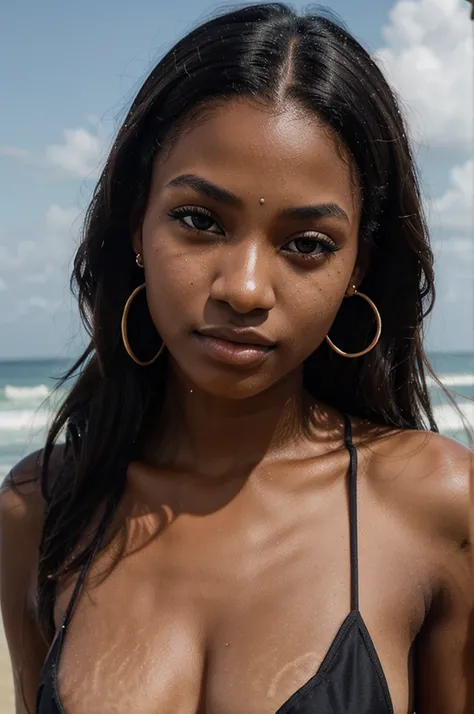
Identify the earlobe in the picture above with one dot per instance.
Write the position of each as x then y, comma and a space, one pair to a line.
356, 277
137, 243
353, 285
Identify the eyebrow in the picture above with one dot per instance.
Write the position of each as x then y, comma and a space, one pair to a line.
222, 195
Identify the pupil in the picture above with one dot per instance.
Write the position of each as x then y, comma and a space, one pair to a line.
305, 245
202, 222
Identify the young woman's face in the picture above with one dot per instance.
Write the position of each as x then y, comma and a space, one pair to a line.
249, 242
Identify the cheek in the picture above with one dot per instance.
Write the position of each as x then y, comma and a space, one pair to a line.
175, 281
311, 305
311, 321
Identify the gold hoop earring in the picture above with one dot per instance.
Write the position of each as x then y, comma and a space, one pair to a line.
125, 339
352, 355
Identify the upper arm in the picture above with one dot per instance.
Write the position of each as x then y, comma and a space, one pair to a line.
21, 519
445, 646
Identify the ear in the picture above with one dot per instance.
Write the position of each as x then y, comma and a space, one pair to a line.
356, 277
137, 243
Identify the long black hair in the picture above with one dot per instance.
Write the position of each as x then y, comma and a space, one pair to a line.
268, 54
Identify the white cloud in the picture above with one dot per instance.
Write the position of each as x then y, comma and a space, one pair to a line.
455, 209
62, 226
37, 312
452, 320
79, 155
52, 241
37, 269
428, 58
59, 218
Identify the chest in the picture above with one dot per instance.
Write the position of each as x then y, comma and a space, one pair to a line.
218, 616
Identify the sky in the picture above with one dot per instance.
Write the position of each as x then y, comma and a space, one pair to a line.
68, 73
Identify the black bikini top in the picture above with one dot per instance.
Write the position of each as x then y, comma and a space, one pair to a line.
350, 679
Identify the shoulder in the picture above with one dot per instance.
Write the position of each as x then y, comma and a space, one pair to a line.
21, 490
427, 477
22, 513
20, 493
21, 526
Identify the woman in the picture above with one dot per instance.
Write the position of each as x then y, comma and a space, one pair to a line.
253, 511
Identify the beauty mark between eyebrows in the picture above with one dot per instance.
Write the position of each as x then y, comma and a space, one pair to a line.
222, 195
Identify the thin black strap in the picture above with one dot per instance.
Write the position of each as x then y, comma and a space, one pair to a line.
80, 583
82, 576
348, 443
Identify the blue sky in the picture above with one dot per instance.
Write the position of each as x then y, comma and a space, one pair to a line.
68, 72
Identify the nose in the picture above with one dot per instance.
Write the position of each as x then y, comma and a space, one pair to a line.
243, 279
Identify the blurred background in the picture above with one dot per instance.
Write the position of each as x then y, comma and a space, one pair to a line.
68, 72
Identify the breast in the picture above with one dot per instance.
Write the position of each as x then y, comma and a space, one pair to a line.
209, 619
130, 656
236, 627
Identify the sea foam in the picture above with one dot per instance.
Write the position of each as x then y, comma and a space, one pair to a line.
24, 420
40, 391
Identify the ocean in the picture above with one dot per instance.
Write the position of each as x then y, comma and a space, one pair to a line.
27, 401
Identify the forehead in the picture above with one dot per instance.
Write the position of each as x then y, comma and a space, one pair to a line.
288, 154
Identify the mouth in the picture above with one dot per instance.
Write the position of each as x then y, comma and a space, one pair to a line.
240, 347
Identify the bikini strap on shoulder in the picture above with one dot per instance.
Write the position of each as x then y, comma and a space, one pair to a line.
353, 523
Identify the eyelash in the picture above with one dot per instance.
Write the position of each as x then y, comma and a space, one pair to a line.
328, 246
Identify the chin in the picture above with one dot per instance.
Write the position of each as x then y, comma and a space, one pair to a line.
224, 383
227, 381
238, 388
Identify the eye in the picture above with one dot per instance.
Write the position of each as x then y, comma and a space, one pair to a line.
311, 246
195, 218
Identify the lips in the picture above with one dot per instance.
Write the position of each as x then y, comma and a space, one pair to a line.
239, 347
244, 336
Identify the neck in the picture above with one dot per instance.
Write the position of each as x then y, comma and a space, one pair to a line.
215, 436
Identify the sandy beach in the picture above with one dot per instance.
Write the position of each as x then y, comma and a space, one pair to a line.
7, 702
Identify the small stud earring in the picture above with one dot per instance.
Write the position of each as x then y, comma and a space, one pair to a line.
262, 201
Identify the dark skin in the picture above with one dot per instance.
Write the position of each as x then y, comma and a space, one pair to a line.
232, 572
